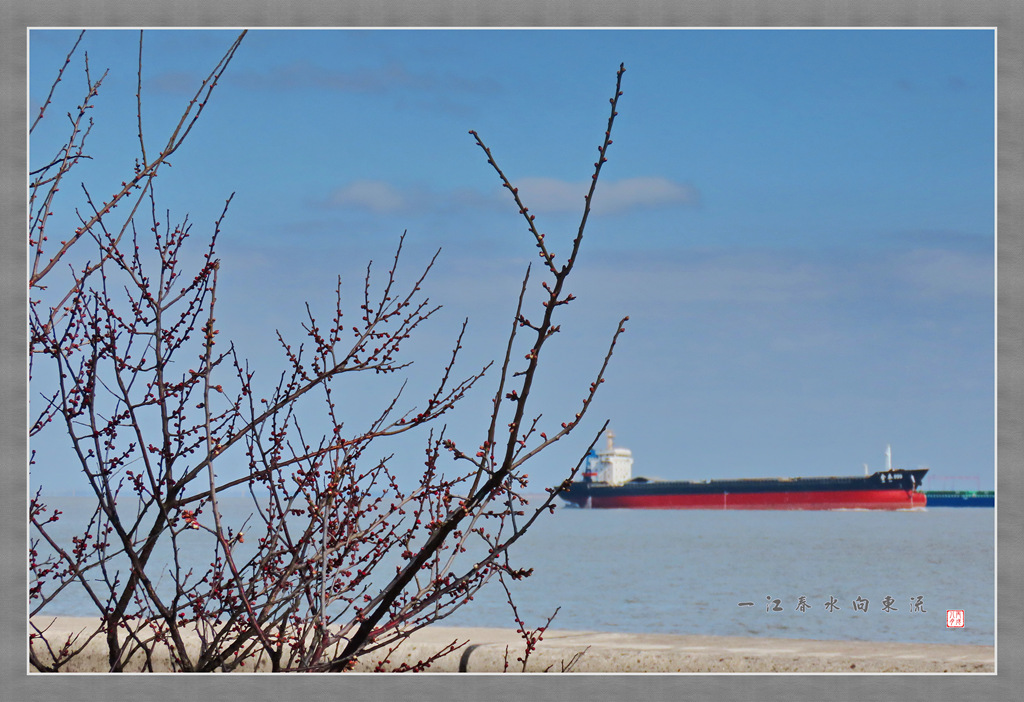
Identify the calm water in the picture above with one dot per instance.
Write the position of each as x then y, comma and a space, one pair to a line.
686, 571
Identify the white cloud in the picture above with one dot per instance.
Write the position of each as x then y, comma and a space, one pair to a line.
941, 273
734, 278
374, 195
541, 195
611, 196
632, 193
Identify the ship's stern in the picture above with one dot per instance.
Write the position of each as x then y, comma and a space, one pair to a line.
577, 494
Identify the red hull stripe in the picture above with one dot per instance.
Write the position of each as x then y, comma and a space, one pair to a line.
852, 499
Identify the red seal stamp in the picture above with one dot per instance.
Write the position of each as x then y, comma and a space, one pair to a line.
955, 618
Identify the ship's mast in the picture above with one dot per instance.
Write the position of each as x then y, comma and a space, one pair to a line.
611, 435
888, 457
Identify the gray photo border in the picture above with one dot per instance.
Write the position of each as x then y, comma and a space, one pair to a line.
1006, 15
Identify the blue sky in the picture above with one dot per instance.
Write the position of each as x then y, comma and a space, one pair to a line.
800, 223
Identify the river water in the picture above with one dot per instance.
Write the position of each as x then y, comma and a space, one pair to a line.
862, 575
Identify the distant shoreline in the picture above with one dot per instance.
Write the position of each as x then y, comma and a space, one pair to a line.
486, 650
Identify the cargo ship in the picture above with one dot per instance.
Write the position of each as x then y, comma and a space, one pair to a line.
961, 498
608, 483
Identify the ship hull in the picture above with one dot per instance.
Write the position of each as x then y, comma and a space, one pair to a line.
886, 490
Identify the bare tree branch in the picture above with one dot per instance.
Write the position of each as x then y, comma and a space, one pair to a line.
339, 558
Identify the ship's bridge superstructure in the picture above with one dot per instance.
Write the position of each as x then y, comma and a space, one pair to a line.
613, 466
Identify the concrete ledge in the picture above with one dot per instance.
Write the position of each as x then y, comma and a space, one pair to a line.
488, 650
